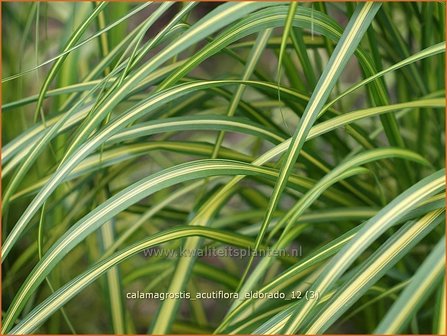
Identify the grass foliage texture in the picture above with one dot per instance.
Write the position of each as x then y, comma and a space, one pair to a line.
260, 126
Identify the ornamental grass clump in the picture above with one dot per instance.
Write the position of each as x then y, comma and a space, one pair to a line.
228, 168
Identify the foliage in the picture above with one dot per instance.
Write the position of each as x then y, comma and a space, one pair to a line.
266, 126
